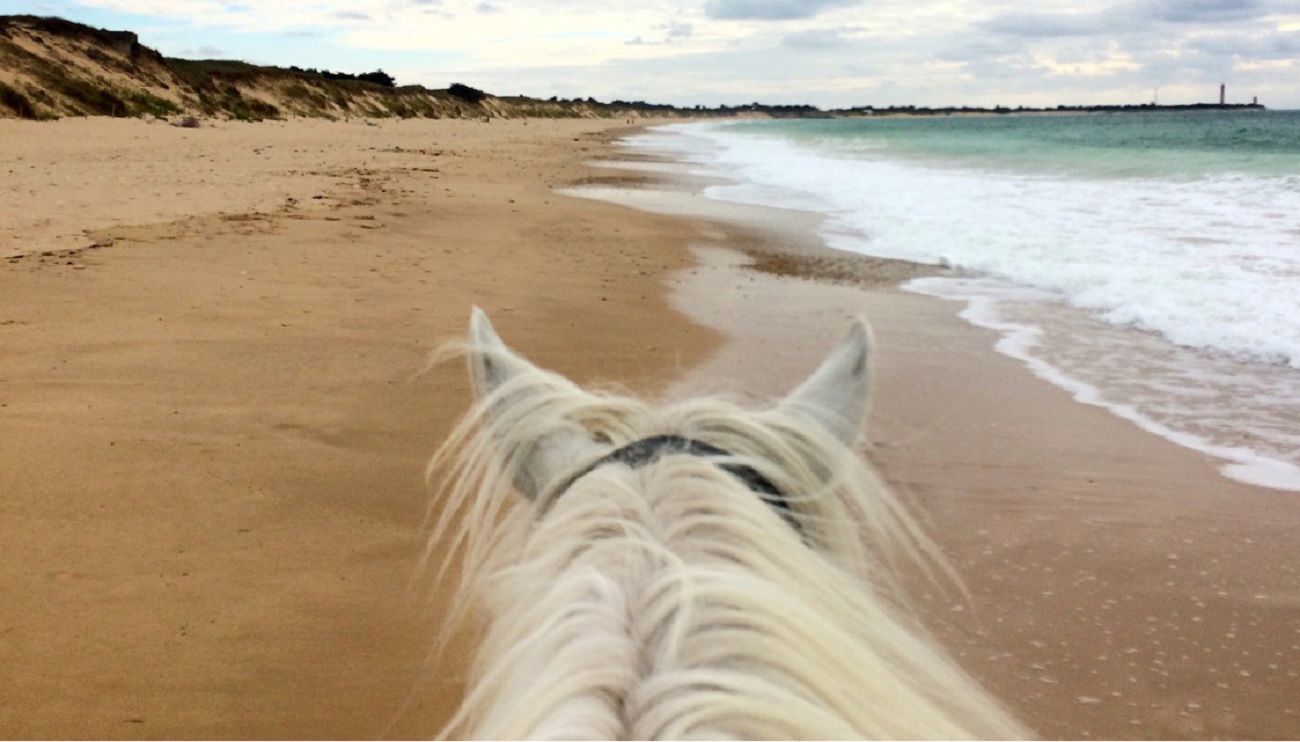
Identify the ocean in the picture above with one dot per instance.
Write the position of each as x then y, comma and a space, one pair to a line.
1147, 262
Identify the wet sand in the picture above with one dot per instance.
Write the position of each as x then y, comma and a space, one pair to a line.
213, 434
1120, 586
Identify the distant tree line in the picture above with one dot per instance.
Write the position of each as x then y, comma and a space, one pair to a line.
775, 111
378, 77
1000, 110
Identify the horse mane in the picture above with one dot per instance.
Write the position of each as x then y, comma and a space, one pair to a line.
671, 601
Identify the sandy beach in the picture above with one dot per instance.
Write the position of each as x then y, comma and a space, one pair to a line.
213, 433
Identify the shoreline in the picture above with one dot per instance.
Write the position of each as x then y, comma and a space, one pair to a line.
1157, 339
1113, 574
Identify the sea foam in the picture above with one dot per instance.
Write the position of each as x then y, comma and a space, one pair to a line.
1189, 281
1210, 263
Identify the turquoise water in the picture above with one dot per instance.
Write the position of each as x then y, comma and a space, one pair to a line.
1155, 144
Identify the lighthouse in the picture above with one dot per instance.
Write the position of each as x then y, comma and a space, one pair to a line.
1222, 88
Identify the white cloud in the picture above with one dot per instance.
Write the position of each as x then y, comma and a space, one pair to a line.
815, 39
771, 10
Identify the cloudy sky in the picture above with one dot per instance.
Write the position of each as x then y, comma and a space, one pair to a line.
830, 53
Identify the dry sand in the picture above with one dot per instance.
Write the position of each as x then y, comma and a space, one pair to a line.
212, 435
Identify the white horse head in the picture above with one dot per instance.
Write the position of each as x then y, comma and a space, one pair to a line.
692, 570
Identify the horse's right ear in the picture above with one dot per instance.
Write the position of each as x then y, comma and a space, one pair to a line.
535, 451
836, 395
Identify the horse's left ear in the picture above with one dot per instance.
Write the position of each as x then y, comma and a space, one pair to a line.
536, 455
491, 363
835, 396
